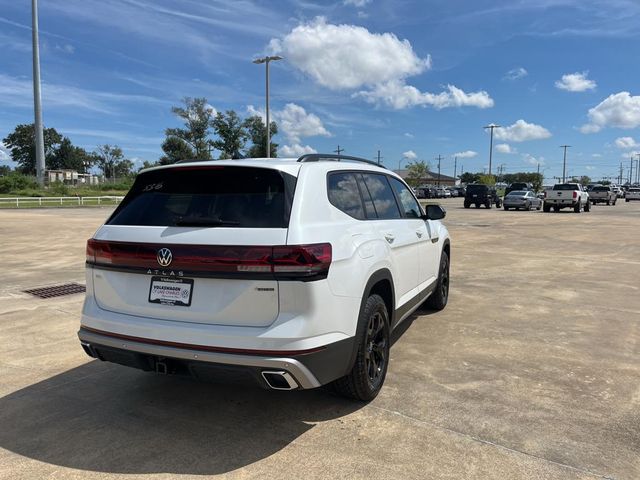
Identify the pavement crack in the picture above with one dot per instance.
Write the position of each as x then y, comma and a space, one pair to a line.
493, 444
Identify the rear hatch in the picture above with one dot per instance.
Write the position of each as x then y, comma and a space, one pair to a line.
195, 244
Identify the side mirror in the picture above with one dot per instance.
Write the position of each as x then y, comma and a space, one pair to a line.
435, 212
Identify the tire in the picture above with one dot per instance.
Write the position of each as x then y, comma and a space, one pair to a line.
546, 208
614, 202
608, 202
626, 200
439, 298
506, 209
467, 204
528, 207
587, 207
366, 378
539, 206
488, 204
556, 208
477, 205
578, 207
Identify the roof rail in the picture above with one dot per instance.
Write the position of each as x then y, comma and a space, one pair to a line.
330, 157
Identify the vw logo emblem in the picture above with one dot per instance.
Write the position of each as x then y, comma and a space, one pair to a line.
164, 257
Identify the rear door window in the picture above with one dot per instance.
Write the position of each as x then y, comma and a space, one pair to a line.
208, 196
384, 201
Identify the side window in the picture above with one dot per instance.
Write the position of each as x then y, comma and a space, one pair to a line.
344, 194
384, 201
409, 205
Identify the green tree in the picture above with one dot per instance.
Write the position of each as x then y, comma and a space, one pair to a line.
4, 170
258, 134
487, 180
110, 159
68, 156
232, 134
148, 164
22, 145
176, 149
468, 177
417, 172
197, 117
585, 180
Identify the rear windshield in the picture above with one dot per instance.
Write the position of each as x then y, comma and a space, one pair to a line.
477, 188
518, 186
211, 196
517, 193
566, 186
600, 189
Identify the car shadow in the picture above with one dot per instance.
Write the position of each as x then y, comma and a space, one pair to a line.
106, 418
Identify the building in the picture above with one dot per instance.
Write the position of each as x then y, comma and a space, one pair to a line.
431, 178
70, 177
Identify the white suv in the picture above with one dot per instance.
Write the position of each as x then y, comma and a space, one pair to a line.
289, 273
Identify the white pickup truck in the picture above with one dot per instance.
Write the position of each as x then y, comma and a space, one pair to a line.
602, 194
566, 195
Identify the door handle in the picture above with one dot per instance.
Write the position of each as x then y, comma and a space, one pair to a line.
389, 238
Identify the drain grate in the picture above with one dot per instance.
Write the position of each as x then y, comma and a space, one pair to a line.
56, 290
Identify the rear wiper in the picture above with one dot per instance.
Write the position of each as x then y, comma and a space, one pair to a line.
204, 222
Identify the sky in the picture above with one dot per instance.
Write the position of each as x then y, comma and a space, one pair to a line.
411, 79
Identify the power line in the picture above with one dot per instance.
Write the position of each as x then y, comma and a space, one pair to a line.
339, 150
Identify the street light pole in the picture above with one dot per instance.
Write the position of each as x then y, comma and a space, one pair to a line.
266, 61
564, 162
491, 127
37, 101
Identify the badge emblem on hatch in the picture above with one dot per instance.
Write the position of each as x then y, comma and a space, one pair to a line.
164, 257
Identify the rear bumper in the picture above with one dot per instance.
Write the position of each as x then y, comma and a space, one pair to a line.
307, 369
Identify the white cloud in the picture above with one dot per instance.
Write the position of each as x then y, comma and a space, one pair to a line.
347, 56
626, 143
596, 155
295, 150
5, 155
505, 148
516, 73
466, 154
576, 82
632, 154
521, 131
409, 155
531, 160
620, 110
398, 95
66, 48
357, 3
350, 57
294, 122
408, 135
590, 168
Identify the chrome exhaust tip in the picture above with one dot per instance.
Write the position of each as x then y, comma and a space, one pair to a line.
279, 380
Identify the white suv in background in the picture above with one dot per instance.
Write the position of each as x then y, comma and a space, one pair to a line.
288, 273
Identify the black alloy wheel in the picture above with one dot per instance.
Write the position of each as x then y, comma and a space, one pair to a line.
376, 351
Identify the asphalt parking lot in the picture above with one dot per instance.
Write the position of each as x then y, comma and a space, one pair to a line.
532, 371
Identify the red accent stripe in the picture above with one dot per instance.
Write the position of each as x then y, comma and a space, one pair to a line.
204, 348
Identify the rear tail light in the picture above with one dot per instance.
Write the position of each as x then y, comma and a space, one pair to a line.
544, 194
575, 194
215, 260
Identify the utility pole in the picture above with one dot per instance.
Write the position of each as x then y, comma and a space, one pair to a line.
620, 177
455, 167
491, 127
439, 157
37, 100
339, 150
379, 158
631, 171
638, 168
564, 162
266, 61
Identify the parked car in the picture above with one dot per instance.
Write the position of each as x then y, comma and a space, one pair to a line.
287, 274
603, 194
478, 194
566, 195
518, 186
633, 193
522, 199
426, 192
619, 192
